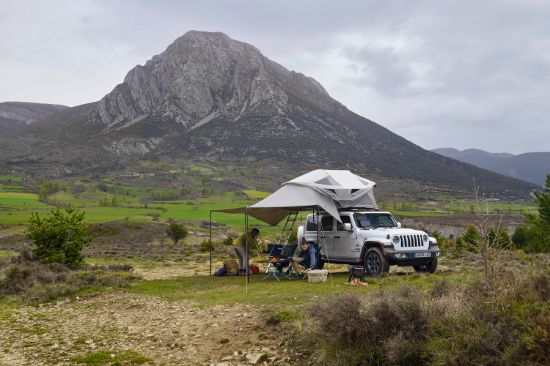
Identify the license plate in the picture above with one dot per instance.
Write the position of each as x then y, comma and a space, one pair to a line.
421, 255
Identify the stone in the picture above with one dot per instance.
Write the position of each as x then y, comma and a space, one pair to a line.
256, 358
224, 340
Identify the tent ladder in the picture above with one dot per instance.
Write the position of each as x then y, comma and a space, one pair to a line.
289, 225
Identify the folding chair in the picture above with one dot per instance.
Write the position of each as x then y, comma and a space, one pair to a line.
280, 256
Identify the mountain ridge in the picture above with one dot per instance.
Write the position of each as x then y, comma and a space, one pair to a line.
210, 98
532, 167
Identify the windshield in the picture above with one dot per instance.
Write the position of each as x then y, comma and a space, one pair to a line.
374, 220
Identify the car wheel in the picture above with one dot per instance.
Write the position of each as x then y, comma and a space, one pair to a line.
431, 266
375, 263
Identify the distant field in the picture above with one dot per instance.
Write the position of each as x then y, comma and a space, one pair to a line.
10, 177
104, 202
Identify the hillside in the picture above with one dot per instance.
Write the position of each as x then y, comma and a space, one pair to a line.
208, 98
532, 167
14, 116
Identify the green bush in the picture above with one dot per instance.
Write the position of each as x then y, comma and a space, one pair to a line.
176, 231
59, 237
228, 241
206, 246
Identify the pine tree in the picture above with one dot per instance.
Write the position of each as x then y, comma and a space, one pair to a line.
542, 199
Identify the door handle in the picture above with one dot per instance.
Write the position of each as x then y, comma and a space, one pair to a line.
337, 237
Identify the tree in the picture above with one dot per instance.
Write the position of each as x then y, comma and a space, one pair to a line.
542, 199
176, 231
59, 237
535, 235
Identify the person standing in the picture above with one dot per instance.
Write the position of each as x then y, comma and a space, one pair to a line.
240, 248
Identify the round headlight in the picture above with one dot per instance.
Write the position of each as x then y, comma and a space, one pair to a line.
425, 237
395, 239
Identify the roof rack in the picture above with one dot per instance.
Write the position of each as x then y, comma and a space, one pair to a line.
357, 209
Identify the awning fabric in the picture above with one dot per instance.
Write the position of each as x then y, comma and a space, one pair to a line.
325, 189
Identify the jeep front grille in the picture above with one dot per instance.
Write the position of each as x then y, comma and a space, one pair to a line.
411, 241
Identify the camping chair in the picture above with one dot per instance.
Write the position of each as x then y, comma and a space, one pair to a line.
280, 256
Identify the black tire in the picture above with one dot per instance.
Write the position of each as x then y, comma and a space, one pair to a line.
375, 263
432, 265
419, 269
320, 264
429, 267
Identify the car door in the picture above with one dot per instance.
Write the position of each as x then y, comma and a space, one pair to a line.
343, 242
325, 235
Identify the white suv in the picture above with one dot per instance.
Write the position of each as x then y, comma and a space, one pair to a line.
372, 239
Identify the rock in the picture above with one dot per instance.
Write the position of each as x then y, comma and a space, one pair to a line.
89, 341
224, 340
227, 358
223, 364
256, 358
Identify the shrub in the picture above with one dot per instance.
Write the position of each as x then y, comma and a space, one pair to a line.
453, 324
228, 241
389, 327
176, 231
59, 237
206, 246
38, 282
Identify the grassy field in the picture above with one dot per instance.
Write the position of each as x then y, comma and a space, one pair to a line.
210, 291
105, 201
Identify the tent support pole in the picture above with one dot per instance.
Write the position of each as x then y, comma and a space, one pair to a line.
210, 241
247, 268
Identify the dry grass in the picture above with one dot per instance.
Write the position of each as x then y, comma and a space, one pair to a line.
506, 321
35, 282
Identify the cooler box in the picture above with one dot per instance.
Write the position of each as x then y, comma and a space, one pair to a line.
317, 276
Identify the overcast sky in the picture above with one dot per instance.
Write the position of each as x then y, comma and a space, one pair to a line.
440, 73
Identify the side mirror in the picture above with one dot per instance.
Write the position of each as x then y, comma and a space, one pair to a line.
347, 227
398, 224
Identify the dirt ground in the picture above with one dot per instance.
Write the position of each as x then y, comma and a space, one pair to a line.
165, 332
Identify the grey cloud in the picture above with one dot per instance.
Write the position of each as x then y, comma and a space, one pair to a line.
441, 73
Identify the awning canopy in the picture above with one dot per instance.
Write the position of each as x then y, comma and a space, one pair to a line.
324, 189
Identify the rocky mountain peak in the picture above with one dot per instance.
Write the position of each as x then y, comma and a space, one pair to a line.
207, 75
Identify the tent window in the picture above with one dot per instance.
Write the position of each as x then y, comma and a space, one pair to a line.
311, 224
326, 223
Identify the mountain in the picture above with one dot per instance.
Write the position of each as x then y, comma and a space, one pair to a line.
209, 98
532, 167
14, 116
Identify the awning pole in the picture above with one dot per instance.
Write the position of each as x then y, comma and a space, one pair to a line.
210, 241
247, 268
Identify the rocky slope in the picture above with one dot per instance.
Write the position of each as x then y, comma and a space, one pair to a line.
14, 116
208, 97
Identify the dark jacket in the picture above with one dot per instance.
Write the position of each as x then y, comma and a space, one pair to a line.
310, 257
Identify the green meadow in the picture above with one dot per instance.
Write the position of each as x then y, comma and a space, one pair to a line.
106, 201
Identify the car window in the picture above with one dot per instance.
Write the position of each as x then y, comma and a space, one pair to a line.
326, 223
311, 224
340, 225
374, 220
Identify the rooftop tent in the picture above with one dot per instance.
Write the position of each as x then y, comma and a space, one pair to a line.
344, 187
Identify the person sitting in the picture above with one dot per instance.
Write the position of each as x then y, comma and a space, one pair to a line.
240, 248
306, 259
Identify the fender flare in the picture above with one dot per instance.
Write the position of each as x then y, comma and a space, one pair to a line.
370, 244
